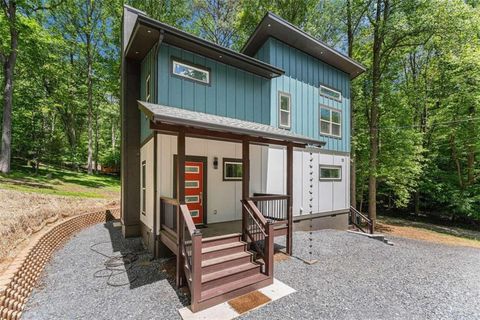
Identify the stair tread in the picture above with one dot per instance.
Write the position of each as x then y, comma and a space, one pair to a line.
223, 246
225, 236
209, 262
229, 271
231, 286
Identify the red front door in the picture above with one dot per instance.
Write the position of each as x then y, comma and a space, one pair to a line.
194, 189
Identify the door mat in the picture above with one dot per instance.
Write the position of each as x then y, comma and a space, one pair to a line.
248, 301
280, 256
238, 306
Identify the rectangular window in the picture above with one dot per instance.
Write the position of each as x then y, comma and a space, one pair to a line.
330, 93
192, 169
232, 169
330, 173
147, 89
188, 71
330, 122
194, 213
192, 199
144, 186
191, 184
284, 110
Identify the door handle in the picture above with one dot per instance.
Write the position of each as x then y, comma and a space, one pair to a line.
201, 197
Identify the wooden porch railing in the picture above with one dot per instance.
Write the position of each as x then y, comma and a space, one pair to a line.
361, 221
190, 254
259, 234
179, 234
273, 207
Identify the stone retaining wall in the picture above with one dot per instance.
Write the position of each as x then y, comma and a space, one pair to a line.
18, 281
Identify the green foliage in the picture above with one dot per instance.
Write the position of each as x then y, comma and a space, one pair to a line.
428, 123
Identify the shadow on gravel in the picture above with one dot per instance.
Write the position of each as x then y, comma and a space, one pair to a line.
132, 265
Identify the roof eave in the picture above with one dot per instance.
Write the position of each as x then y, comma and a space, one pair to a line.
221, 55
271, 17
216, 127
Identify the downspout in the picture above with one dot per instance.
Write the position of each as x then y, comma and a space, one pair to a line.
155, 150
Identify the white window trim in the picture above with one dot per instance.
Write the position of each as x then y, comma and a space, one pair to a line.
191, 67
330, 122
280, 95
339, 168
225, 178
328, 96
147, 89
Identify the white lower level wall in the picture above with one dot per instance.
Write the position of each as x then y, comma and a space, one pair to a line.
327, 195
267, 175
146, 154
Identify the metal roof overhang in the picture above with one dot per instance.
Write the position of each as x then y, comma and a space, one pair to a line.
276, 27
223, 126
146, 33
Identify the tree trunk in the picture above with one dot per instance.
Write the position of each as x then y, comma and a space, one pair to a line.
90, 105
471, 149
8, 74
96, 141
374, 114
353, 175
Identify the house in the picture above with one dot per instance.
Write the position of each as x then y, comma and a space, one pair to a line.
223, 151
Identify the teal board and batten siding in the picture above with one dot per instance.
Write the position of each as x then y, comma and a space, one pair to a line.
232, 92
147, 68
302, 78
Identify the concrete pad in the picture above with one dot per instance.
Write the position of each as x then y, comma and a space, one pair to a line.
221, 311
224, 311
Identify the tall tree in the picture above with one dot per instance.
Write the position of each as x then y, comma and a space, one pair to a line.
216, 20
8, 59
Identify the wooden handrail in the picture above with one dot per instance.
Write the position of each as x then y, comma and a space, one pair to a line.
255, 218
265, 232
258, 214
172, 201
190, 252
187, 218
353, 213
266, 197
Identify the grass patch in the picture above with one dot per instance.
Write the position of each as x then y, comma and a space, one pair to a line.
429, 232
61, 182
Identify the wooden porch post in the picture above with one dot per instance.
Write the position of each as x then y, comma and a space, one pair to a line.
245, 181
290, 198
181, 200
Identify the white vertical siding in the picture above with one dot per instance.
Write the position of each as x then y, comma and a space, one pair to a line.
267, 175
223, 197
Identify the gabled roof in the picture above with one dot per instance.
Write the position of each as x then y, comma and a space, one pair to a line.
146, 32
176, 116
276, 27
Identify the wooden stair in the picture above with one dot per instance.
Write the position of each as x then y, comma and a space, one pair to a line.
228, 271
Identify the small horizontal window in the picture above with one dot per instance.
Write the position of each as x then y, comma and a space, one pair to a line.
232, 169
192, 199
284, 110
192, 169
191, 184
330, 172
194, 73
195, 213
330, 122
330, 93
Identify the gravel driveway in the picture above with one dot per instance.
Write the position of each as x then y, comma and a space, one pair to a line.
355, 278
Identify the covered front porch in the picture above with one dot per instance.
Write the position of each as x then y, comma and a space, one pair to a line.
219, 261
